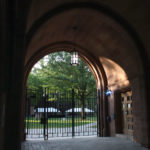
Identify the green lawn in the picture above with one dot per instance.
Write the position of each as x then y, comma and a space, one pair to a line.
58, 122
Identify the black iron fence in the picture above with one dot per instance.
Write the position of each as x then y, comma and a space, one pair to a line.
52, 113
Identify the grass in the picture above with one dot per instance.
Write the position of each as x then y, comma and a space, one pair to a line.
95, 126
58, 122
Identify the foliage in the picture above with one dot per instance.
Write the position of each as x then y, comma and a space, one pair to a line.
54, 71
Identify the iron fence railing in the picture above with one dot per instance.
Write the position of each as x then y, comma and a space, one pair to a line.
51, 113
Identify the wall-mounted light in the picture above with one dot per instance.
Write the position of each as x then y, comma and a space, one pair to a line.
74, 58
108, 92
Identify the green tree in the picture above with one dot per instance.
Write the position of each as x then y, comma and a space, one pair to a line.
54, 71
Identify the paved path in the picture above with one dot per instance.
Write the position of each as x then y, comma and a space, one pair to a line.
83, 130
86, 143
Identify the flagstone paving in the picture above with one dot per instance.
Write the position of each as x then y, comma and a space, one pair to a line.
86, 143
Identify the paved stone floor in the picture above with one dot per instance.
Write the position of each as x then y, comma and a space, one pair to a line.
83, 130
86, 143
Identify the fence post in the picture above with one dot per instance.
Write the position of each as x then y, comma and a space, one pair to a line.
28, 109
45, 116
99, 131
72, 112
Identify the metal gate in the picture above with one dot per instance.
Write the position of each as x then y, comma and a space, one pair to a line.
52, 113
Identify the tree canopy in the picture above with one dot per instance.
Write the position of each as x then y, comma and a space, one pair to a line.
55, 71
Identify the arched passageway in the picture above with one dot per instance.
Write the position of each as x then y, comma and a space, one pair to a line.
97, 35
115, 79
67, 100
115, 30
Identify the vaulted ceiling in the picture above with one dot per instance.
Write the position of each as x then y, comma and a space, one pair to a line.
94, 28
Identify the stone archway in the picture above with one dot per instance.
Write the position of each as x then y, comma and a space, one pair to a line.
101, 36
121, 116
94, 66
